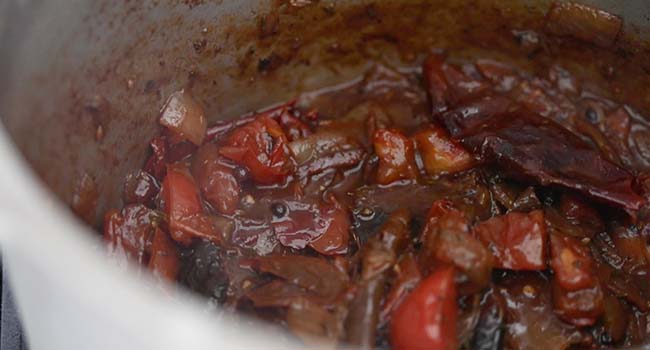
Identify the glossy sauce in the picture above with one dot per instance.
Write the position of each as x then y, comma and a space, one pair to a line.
515, 201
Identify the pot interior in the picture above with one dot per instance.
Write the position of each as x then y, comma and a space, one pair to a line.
84, 80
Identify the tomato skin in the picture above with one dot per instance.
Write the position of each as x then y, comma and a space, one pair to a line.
427, 318
261, 146
441, 154
396, 156
517, 240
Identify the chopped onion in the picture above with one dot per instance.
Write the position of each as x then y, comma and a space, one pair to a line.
184, 116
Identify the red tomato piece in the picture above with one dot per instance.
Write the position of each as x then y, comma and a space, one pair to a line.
184, 210
396, 156
216, 179
427, 318
334, 240
261, 146
517, 240
129, 231
164, 261
440, 153
571, 262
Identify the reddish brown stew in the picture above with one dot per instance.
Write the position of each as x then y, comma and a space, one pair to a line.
465, 204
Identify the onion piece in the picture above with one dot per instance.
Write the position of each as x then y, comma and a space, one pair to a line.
316, 275
314, 324
325, 150
584, 23
530, 322
184, 116
468, 320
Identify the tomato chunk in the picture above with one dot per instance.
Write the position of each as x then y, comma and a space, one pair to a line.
164, 261
216, 179
517, 240
440, 153
396, 156
571, 262
261, 146
184, 210
427, 318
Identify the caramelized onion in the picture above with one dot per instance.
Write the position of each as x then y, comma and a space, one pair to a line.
584, 23
184, 116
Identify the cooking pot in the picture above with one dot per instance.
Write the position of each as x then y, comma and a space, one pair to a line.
81, 83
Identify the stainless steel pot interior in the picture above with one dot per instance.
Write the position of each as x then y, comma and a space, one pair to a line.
81, 82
